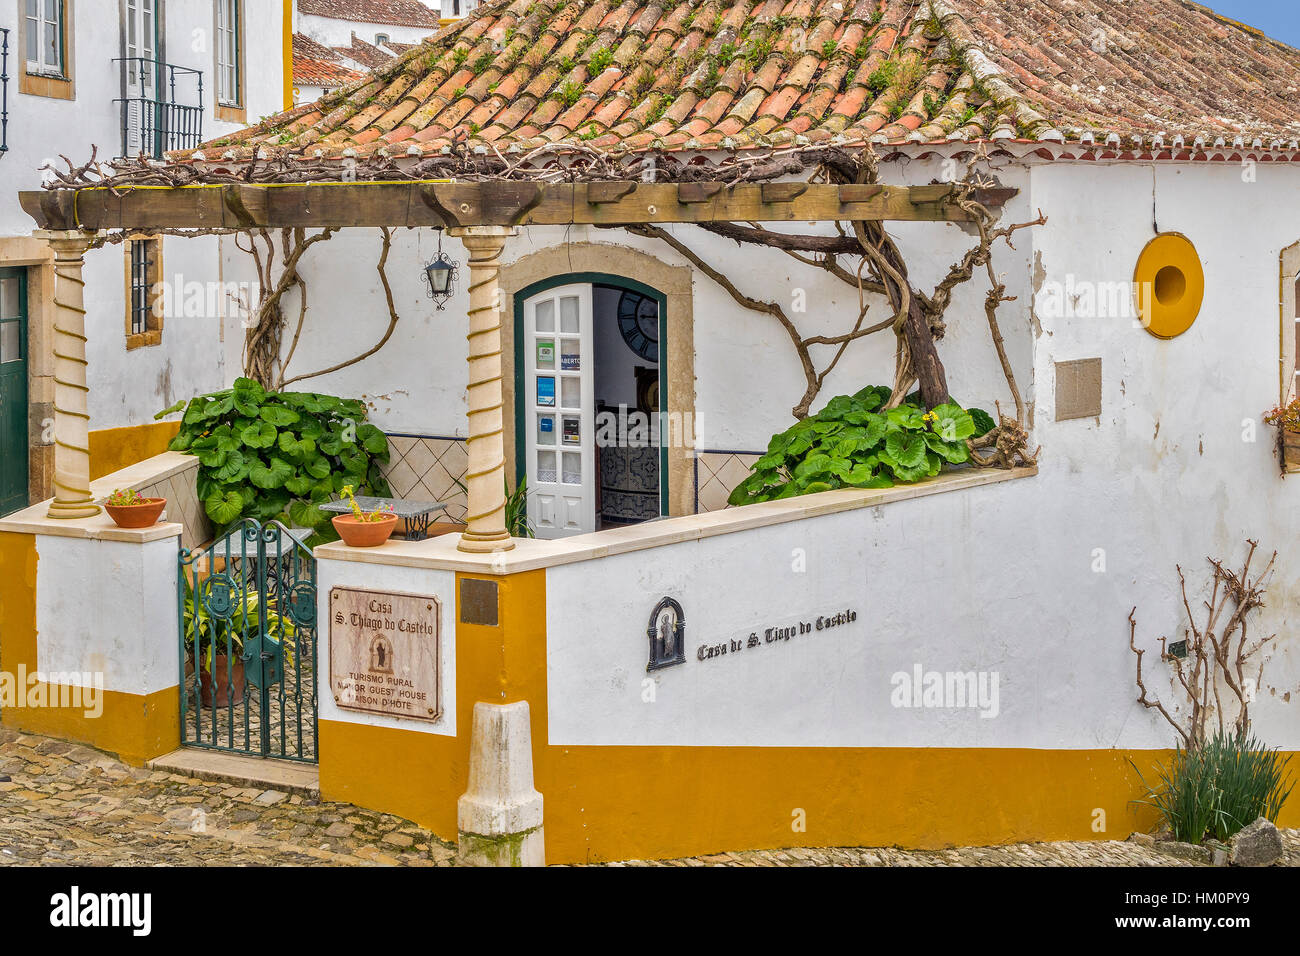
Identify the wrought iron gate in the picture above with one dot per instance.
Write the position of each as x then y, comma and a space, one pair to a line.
247, 612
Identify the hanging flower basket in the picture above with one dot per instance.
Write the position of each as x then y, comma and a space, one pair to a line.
1290, 445
1286, 418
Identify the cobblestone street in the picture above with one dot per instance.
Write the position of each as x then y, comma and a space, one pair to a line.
64, 804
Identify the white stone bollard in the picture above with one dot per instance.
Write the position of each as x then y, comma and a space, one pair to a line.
500, 816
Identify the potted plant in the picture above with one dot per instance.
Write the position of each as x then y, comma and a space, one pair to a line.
129, 509
217, 644
1287, 419
364, 529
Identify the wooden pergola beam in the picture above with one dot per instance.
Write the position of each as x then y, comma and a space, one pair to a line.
373, 204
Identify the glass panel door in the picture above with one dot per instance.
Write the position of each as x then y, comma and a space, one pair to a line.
560, 416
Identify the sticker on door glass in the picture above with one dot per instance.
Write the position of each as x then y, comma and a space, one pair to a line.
546, 430
546, 391
546, 353
573, 431
570, 357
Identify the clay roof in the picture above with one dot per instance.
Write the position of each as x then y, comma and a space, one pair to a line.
401, 13
315, 64
731, 74
367, 54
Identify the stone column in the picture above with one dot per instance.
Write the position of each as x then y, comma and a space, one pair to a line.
485, 479
499, 818
71, 419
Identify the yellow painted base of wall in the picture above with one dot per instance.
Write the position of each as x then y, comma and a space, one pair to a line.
623, 803
112, 449
414, 775
136, 728
620, 803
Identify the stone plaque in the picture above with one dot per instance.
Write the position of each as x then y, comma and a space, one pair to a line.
385, 653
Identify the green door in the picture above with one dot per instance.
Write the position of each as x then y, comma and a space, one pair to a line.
13, 390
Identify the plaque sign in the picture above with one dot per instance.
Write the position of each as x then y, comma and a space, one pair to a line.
385, 653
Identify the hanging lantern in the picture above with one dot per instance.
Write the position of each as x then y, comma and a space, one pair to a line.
440, 276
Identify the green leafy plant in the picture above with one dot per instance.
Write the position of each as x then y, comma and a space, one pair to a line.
379, 514
854, 442
279, 455
1212, 791
207, 636
570, 92
601, 60
517, 522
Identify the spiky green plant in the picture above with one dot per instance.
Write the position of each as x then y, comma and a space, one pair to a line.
1214, 790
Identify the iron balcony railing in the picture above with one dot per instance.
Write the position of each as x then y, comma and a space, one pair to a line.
4, 90
153, 121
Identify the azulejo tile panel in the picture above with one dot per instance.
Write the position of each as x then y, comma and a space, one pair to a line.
717, 473
427, 468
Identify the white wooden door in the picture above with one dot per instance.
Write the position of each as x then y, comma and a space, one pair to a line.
558, 404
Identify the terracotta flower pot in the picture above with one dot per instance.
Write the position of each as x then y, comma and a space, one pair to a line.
226, 684
364, 534
141, 515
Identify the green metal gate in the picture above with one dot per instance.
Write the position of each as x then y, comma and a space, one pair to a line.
247, 612
13, 390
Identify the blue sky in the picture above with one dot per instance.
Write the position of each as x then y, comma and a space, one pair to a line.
1280, 19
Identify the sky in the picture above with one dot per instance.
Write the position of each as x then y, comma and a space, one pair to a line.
1280, 19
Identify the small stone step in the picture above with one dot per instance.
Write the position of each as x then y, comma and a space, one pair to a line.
283, 776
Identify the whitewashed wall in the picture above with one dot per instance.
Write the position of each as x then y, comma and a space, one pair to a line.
127, 388
334, 31
119, 622
1032, 579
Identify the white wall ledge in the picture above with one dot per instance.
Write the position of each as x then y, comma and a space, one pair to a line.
529, 555
35, 518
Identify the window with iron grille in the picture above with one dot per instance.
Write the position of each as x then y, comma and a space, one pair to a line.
144, 319
229, 29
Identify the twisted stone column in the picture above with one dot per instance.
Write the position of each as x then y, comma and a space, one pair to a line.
485, 480
71, 419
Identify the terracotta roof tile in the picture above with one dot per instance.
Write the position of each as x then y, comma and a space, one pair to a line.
673, 74
315, 64
367, 54
398, 13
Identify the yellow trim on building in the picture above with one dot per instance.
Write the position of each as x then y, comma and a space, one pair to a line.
500, 664
614, 803
287, 54
135, 727
112, 449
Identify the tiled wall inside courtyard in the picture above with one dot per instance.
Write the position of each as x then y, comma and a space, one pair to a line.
426, 468
717, 473
183, 505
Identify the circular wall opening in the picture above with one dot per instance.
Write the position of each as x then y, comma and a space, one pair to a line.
1170, 285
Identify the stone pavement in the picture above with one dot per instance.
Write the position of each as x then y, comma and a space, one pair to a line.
65, 804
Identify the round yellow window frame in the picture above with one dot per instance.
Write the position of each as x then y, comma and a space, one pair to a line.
1168, 285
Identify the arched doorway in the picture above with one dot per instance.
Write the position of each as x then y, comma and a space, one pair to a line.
591, 358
